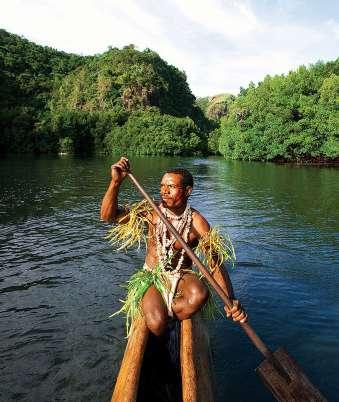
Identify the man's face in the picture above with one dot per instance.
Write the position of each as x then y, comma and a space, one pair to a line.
172, 191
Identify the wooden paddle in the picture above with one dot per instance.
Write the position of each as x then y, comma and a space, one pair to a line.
279, 371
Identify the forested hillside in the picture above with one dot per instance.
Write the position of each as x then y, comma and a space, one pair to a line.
215, 108
52, 101
127, 101
133, 102
28, 73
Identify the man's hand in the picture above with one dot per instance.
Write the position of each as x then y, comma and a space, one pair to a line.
237, 312
120, 169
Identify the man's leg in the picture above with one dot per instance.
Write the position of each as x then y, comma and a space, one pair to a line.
191, 296
155, 311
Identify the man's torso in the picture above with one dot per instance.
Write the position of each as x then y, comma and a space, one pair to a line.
152, 258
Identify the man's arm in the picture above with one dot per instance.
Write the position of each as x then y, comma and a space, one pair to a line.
221, 276
237, 311
109, 206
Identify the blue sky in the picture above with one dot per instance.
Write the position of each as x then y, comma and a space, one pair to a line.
221, 45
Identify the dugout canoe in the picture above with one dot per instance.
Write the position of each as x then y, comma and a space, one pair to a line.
142, 354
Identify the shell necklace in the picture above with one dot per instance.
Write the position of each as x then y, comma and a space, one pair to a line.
165, 240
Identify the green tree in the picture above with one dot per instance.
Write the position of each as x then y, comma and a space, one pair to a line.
293, 117
27, 74
148, 132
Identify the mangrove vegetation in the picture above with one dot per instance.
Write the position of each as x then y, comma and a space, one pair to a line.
292, 117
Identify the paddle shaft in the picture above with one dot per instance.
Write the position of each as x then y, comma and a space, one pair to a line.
246, 326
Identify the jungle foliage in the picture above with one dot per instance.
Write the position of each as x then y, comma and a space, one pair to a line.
148, 132
52, 101
28, 73
133, 102
293, 117
214, 108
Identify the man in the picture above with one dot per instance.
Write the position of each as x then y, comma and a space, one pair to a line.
185, 293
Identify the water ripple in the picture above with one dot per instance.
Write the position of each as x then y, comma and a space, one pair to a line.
60, 280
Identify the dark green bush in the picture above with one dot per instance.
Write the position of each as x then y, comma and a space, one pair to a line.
148, 132
285, 117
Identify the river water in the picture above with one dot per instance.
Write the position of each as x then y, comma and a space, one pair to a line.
60, 279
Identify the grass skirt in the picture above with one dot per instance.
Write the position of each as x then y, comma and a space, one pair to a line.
140, 282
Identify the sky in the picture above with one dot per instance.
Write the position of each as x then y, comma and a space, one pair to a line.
221, 45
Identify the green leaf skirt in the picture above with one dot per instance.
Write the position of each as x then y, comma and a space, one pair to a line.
141, 281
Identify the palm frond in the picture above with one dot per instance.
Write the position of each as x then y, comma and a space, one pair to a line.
215, 249
127, 234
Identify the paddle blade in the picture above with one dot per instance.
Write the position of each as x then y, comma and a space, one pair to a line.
298, 389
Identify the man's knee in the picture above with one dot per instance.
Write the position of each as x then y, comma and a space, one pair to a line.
198, 295
156, 322
155, 311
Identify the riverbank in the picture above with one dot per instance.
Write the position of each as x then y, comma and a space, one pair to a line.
310, 161
306, 161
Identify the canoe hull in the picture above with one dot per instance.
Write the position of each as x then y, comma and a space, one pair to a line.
126, 387
195, 363
195, 356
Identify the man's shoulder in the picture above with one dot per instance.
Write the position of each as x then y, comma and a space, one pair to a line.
197, 214
199, 221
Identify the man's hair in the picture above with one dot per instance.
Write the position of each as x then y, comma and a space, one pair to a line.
187, 178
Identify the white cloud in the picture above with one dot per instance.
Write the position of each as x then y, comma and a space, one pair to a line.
135, 16
334, 27
221, 44
232, 19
